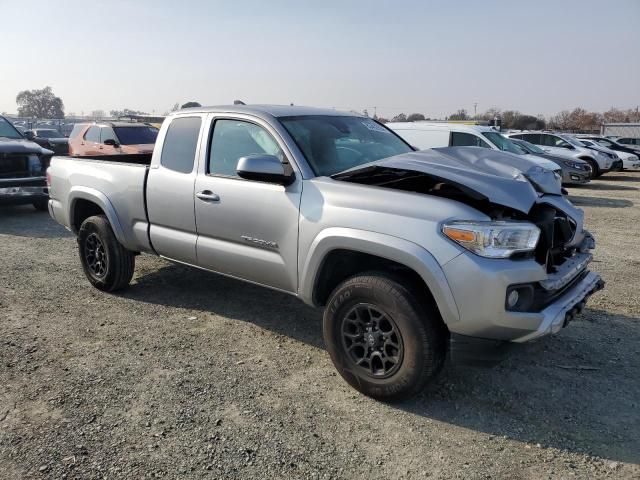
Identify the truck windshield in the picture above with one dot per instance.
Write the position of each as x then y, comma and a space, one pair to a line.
332, 144
136, 135
7, 130
504, 144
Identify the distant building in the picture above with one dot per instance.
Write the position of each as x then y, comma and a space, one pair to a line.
621, 129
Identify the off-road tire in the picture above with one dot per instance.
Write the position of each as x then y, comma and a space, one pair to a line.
424, 336
119, 262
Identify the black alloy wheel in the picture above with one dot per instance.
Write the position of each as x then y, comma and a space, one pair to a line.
372, 341
95, 256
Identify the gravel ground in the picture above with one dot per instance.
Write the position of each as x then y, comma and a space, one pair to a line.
191, 375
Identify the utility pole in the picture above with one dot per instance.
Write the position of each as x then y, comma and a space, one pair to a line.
475, 109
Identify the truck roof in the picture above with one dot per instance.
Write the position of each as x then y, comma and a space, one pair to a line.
268, 110
444, 126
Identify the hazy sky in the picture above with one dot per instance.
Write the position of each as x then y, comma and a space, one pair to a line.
432, 57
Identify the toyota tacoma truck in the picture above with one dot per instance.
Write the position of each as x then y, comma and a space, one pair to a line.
403, 249
22, 169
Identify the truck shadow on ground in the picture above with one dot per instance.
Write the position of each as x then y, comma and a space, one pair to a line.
600, 202
534, 396
25, 221
186, 287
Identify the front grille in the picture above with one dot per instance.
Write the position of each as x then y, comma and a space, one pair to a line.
14, 166
556, 230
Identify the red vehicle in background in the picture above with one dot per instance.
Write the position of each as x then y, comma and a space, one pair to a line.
112, 138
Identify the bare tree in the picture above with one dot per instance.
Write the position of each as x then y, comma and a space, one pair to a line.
459, 115
399, 118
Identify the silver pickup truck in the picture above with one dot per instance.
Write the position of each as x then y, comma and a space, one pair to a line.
403, 249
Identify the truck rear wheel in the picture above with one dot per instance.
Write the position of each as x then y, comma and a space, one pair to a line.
106, 263
382, 339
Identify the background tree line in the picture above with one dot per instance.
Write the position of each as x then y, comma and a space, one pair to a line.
578, 119
43, 103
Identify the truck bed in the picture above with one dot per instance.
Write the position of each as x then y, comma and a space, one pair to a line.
119, 185
136, 158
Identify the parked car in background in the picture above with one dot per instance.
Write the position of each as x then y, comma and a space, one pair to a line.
574, 171
624, 160
112, 138
425, 135
629, 142
49, 138
337, 210
612, 144
567, 147
23, 164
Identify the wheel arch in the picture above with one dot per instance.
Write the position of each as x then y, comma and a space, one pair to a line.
85, 202
338, 253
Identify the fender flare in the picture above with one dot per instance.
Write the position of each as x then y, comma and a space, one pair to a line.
402, 251
91, 194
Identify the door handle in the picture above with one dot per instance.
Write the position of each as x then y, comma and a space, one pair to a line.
208, 196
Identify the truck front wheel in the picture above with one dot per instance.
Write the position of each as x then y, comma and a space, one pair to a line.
106, 263
383, 339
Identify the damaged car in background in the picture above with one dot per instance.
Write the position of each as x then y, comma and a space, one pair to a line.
22, 169
403, 250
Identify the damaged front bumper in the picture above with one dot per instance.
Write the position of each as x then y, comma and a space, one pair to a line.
565, 308
481, 289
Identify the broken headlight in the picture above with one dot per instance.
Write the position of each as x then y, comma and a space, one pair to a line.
499, 239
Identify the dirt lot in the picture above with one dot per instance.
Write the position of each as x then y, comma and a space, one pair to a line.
188, 374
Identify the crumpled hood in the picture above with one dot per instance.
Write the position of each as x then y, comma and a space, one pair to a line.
534, 169
489, 174
17, 145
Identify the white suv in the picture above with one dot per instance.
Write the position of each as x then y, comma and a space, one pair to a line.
568, 147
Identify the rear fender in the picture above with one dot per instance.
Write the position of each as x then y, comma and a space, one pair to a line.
100, 199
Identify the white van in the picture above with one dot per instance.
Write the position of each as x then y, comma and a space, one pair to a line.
424, 135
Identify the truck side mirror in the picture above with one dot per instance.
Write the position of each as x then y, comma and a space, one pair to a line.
29, 135
264, 168
112, 142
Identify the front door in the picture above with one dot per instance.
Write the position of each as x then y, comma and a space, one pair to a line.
246, 229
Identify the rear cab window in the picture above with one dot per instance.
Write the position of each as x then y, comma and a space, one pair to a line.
180, 144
